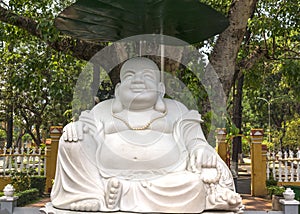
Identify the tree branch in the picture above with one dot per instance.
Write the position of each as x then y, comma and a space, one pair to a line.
78, 48
20, 21
250, 61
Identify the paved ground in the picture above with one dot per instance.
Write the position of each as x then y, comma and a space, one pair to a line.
256, 203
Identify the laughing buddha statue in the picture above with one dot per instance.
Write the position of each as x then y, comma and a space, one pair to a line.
140, 152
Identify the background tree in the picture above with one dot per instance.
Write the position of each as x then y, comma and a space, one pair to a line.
37, 81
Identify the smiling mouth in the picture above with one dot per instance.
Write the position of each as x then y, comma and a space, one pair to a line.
138, 87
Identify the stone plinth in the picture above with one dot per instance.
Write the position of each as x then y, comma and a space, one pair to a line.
49, 209
8, 204
289, 206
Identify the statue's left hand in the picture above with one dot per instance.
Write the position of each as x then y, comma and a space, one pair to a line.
202, 157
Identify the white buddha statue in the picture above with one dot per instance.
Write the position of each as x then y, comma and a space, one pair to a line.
140, 152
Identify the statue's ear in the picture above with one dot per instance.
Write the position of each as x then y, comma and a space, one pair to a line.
160, 104
117, 105
161, 89
117, 90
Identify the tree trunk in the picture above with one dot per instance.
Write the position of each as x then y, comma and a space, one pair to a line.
19, 140
32, 136
9, 129
223, 57
38, 138
237, 120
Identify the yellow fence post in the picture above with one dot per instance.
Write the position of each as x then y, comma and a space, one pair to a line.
221, 143
258, 164
52, 148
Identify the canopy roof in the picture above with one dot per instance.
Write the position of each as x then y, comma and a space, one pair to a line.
112, 20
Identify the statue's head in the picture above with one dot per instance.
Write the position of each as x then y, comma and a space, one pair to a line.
140, 86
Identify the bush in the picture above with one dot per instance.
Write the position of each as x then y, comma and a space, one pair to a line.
25, 180
271, 182
38, 182
275, 190
27, 197
20, 180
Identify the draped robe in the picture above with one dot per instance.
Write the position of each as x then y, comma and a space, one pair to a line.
151, 165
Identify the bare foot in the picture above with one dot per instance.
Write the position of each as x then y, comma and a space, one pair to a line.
113, 193
86, 205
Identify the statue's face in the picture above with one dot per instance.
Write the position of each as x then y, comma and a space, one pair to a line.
139, 86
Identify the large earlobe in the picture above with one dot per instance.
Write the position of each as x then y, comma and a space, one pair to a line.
160, 104
117, 105
161, 89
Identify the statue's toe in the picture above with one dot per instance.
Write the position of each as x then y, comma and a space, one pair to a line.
113, 193
86, 205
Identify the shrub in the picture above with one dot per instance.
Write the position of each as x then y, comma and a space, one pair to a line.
20, 180
25, 180
271, 182
39, 182
27, 196
275, 190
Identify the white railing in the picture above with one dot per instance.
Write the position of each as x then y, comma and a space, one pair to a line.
283, 167
15, 159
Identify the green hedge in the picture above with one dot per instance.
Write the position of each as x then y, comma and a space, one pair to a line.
26, 179
38, 182
27, 197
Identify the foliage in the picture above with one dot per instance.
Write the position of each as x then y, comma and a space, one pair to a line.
26, 179
270, 145
106, 91
269, 81
27, 196
275, 190
38, 182
271, 182
37, 81
274, 30
20, 180
186, 86
2, 135
245, 146
291, 139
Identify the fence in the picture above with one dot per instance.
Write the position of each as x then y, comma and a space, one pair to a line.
283, 167
20, 159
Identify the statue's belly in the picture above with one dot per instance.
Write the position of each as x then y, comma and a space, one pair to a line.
139, 151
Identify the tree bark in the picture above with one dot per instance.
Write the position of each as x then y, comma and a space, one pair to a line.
9, 128
237, 120
223, 57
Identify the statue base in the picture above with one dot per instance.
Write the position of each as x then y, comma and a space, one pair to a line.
49, 209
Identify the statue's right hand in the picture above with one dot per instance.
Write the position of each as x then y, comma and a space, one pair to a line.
73, 132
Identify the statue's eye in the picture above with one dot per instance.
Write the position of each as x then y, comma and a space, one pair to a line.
128, 75
149, 75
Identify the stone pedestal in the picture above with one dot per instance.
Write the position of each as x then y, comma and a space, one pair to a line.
289, 206
49, 209
8, 204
